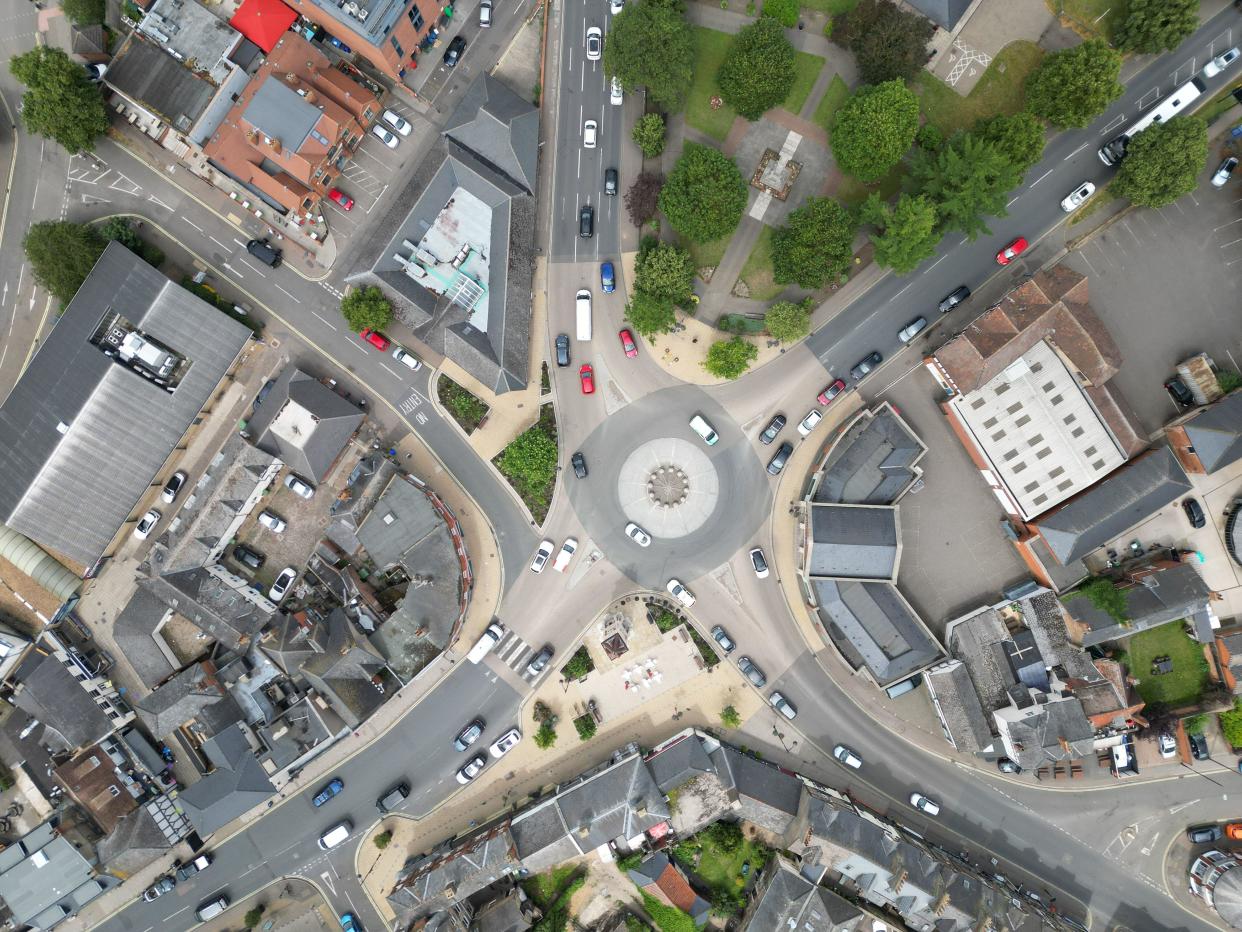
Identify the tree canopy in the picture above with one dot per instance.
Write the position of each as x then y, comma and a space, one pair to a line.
1073, 86
784, 12
642, 199
83, 12
888, 43
60, 102
758, 70
815, 245
366, 308
650, 45
968, 179
874, 128
1163, 162
62, 254
664, 270
648, 134
704, 195
907, 231
122, 231
788, 322
1154, 26
728, 359
1020, 138
649, 315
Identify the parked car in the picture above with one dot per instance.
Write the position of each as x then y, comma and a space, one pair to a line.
161, 886
586, 221
1203, 834
1220, 62
146, 524
924, 804
299, 486
190, 868
628, 346
607, 279
568, 549
539, 661
1012, 251
1005, 765
562, 349
590, 134
1077, 197
385, 136
1179, 392
610, 182
721, 637
783, 705
954, 298
831, 392
578, 461
406, 358
616, 94
847, 756
95, 72
778, 461
541, 556
265, 252
637, 535
329, 789
1233, 831
376, 339
758, 563
1199, 747
341, 199
172, 488
1167, 744
1223, 171
398, 123
485, 13
469, 735
594, 43
775, 426
912, 329
752, 672
1194, 513
280, 588
393, 798
505, 743
247, 557
452, 54
615, 6
587, 376
680, 592
347, 923
700, 426
865, 366
471, 769
809, 423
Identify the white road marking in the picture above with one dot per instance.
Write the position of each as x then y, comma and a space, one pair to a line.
193, 224
239, 242
152, 197
294, 297
260, 271
217, 242
397, 374
1039, 179
1075, 152
1012, 199
325, 320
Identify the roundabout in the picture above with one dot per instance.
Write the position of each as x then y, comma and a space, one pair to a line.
669, 486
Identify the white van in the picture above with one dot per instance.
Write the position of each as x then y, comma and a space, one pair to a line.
212, 908
483, 646
335, 835
703, 429
583, 303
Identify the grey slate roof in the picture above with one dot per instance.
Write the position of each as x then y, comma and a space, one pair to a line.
1164, 596
1036, 733
501, 127
676, 765
343, 672
1216, 433
194, 694
81, 438
769, 798
235, 786
400, 520
787, 900
145, 73
137, 840
333, 420
445, 876
41, 893
854, 542
51, 694
135, 633
280, 112
1109, 508
220, 606
873, 463
958, 704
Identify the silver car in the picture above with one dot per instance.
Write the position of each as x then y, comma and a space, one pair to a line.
752, 672
398, 123
637, 535
721, 637
469, 735
912, 329
1077, 197
299, 486
272, 521
384, 136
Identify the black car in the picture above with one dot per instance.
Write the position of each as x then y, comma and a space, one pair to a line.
578, 461
586, 222
775, 426
1005, 765
1202, 834
863, 367
952, 300
1198, 747
264, 251
610, 181
562, 349
1179, 392
247, 557
777, 463
452, 54
1194, 513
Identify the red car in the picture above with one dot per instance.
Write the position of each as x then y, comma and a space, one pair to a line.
627, 343
831, 392
587, 375
346, 202
376, 339
1012, 251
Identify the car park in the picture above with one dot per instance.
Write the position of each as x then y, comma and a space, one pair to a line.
299, 486
831, 392
452, 54
578, 461
865, 366
146, 524
954, 298
1012, 251
540, 661
783, 705
1223, 171
1005, 765
485, 13
610, 182
384, 135
590, 134
1179, 392
1077, 197
594, 43
1199, 747
759, 563
341, 199
809, 423
780, 458
924, 804
847, 756
562, 349
1194, 513
172, 488
247, 557
680, 592
628, 346
586, 221
1220, 62
265, 252
398, 123
192, 867
471, 769
912, 329
607, 278
1202, 834
376, 339
721, 637
329, 789
393, 798
586, 375
280, 588
700, 426
752, 672
637, 535
406, 358
541, 556
616, 94
1167, 745
469, 735
568, 549
505, 743
161, 886
775, 426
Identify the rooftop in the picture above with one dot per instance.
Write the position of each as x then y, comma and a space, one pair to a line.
854, 542
787, 900
873, 462
1153, 599
148, 75
1216, 433
44, 878
235, 785
304, 423
192, 34
51, 694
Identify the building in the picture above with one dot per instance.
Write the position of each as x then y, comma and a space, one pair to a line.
460, 266
387, 33
193, 699
235, 785
662, 879
1209, 439
292, 129
116, 387
784, 899
1215, 879
44, 879
303, 423
1155, 595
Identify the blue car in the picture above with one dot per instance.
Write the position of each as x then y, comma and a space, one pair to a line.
335, 785
607, 280
348, 924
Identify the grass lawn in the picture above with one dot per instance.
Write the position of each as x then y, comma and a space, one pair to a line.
807, 68
543, 888
834, 7
718, 868
1102, 16
709, 254
853, 192
996, 92
1184, 684
1219, 104
757, 272
834, 96
710, 48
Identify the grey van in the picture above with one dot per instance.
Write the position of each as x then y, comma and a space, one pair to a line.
212, 908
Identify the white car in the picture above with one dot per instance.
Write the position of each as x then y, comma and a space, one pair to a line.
299, 486
809, 423
172, 488
590, 134
1168, 746
406, 358
595, 43
1221, 62
783, 705
759, 564
384, 136
145, 526
505, 743
1078, 197
398, 123
615, 6
280, 588
485, 13
680, 593
567, 553
541, 556
616, 95
1221, 178
471, 770
847, 756
924, 804
637, 535
272, 521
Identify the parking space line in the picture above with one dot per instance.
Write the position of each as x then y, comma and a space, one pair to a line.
1126, 227
377, 197
1231, 243
1229, 224
1089, 265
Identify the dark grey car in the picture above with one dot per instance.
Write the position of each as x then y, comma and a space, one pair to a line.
777, 463
586, 222
562, 349
865, 366
775, 426
721, 637
954, 298
247, 557
264, 251
1202, 834
579, 463
752, 672
539, 661
469, 735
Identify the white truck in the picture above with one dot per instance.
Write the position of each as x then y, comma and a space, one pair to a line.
483, 646
583, 303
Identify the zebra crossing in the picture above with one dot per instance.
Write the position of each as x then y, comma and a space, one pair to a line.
515, 654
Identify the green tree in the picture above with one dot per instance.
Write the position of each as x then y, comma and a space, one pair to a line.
1231, 725
664, 270
815, 245
62, 254
705, 195
649, 315
545, 737
253, 916
784, 12
888, 43
1154, 26
758, 70
586, 726
730, 718
906, 231
122, 231
59, 103
366, 308
1020, 138
1073, 86
874, 128
643, 197
788, 322
530, 461
382, 840
929, 137
648, 134
650, 45
1163, 162
83, 12
967, 180
728, 359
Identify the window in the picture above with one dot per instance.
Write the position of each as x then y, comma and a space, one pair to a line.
1049, 386
1017, 469
1077, 432
416, 17
1070, 419
1030, 487
1002, 388
989, 423
1056, 472
1061, 487
1097, 465
998, 436
1022, 421
1090, 451
1014, 408
1035, 441
397, 45
1045, 452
